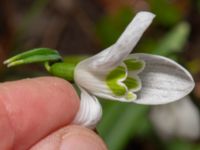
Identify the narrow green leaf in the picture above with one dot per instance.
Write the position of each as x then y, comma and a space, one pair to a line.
178, 144
111, 113
122, 123
33, 56
166, 12
174, 41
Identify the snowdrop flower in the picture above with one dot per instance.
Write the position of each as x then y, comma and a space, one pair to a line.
179, 119
116, 74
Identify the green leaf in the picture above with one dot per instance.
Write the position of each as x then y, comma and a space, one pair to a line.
111, 113
181, 145
193, 66
120, 123
33, 56
109, 28
174, 41
166, 12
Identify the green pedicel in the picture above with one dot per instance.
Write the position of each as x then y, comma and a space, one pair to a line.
62, 69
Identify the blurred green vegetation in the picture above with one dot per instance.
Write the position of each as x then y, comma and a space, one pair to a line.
166, 12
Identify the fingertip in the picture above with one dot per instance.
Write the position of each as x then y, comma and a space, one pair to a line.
78, 137
37, 107
62, 90
71, 137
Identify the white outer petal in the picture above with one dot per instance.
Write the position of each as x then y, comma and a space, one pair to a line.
179, 119
133, 33
90, 111
90, 73
163, 80
114, 55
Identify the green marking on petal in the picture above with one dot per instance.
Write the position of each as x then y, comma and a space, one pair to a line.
132, 83
113, 81
134, 64
131, 96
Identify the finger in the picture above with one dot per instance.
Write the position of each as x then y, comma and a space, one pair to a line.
32, 108
71, 138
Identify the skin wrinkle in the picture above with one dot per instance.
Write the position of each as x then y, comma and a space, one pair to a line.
88, 134
2, 88
54, 140
62, 136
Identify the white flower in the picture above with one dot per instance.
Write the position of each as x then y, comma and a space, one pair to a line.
139, 78
179, 119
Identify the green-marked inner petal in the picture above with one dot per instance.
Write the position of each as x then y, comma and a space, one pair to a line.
131, 96
134, 64
132, 83
113, 81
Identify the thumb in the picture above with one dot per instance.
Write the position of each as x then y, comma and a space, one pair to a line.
71, 138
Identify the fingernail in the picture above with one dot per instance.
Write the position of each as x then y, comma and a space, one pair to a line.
77, 141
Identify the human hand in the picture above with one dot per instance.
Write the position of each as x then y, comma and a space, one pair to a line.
36, 114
